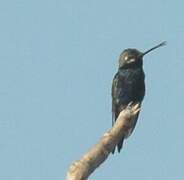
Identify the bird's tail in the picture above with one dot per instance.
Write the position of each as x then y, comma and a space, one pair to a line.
119, 146
113, 150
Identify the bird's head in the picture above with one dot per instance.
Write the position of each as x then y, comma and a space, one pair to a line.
133, 57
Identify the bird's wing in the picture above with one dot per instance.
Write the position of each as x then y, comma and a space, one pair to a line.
116, 92
122, 94
113, 93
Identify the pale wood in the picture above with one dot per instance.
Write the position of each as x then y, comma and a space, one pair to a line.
81, 169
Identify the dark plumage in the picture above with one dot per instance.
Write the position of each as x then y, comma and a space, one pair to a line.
128, 85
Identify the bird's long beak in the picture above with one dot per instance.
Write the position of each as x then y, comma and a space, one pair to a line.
153, 48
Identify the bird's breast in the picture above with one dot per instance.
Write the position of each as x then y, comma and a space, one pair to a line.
131, 85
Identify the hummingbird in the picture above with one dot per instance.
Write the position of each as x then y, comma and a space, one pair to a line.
128, 85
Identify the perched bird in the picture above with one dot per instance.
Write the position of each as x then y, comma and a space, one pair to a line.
128, 85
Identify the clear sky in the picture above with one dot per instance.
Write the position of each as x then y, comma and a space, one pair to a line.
57, 61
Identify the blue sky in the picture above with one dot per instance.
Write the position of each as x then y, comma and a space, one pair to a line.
57, 61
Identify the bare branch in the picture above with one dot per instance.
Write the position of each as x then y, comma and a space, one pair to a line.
81, 169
